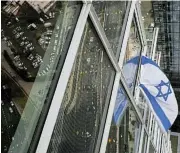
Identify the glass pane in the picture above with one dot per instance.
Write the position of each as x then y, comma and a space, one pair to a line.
134, 45
151, 148
174, 143
141, 103
133, 49
148, 115
124, 132
35, 37
86, 97
145, 140
147, 18
111, 15
152, 125
12, 100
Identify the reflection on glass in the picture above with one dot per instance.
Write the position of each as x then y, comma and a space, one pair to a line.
88, 90
141, 102
124, 135
151, 148
144, 143
111, 15
147, 18
152, 125
147, 119
134, 45
133, 49
34, 36
12, 100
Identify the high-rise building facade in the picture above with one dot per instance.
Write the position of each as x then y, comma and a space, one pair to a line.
61, 74
167, 18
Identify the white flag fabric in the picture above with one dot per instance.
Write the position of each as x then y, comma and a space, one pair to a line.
156, 88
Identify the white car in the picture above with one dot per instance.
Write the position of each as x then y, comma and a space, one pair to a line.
17, 35
18, 28
31, 48
24, 38
29, 45
11, 110
26, 42
30, 57
12, 104
22, 43
9, 43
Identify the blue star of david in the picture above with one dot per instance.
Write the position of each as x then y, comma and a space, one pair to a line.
160, 93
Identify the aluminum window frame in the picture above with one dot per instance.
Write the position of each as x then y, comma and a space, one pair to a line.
51, 92
63, 80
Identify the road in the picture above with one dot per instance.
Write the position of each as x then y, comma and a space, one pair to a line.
9, 120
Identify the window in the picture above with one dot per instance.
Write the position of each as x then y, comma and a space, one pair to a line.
125, 131
175, 27
35, 42
133, 49
111, 15
134, 44
176, 5
86, 97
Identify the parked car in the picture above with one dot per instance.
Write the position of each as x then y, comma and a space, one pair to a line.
11, 110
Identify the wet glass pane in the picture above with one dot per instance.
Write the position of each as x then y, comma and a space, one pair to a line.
111, 15
134, 45
133, 49
86, 98
35, 38
124, 132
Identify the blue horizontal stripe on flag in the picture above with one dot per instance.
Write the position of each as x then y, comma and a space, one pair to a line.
160, 113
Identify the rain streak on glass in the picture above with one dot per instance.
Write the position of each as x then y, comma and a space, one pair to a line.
88, 91
111, 16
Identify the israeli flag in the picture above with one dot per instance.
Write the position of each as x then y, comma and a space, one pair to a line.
120, 106
157, 90
129, 72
